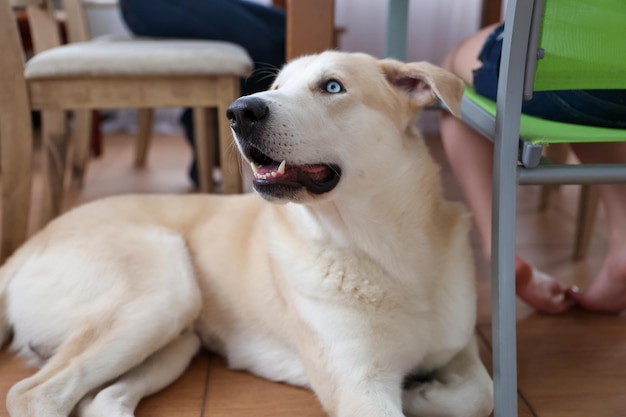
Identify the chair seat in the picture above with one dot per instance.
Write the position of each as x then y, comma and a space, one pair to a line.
542, 132
145, 57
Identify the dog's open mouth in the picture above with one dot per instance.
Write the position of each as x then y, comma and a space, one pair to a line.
316, 178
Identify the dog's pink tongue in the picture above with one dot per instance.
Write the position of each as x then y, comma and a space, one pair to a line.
315, 172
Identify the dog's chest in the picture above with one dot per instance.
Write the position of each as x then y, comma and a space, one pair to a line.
344, 277
347, 294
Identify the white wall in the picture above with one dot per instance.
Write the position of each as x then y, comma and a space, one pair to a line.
104, 20
435, 26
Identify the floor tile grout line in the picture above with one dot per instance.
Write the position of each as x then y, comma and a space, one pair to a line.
527, 403
206, 383
519, 392
483, 337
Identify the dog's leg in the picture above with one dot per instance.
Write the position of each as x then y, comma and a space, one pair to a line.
348, 384
158, 371
88, 360
367, 396
141, 317
462, 388
370, 398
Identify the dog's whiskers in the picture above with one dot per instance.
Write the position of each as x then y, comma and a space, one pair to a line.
264, 71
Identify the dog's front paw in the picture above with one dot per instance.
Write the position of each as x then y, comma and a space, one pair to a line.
450, 399
103, 405
24, 401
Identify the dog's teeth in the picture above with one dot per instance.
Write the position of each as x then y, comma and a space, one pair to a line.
274, 174
255, 168
281, 167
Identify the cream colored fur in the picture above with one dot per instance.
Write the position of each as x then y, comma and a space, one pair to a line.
346, 292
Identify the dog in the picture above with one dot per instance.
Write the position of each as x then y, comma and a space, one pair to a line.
347, 271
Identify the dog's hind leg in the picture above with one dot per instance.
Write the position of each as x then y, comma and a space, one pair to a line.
5, 329
158, 371
462, 388
89, 360
116, 331
6, 272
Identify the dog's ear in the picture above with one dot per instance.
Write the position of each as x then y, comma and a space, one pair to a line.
424, 82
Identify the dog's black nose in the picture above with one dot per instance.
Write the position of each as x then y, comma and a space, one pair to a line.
246, 113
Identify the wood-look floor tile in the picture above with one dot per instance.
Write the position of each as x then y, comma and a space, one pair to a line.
485, 355
240, 394
114, 173
572, 365
184, 398
12, 370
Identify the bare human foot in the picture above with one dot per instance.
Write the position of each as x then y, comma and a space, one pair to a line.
607, 292
540, 290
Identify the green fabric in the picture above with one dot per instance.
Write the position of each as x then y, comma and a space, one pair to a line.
584, 42
542, 131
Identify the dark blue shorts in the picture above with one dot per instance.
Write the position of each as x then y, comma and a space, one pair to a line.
257, 28
605, 108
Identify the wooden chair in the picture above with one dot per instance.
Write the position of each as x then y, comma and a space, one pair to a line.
310, 26
310, 29
58, 79
85, 76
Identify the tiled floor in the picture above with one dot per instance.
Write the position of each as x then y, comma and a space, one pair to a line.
573, 365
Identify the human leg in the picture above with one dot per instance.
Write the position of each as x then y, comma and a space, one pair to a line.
258, 28
470, 154
471, 158
607, 292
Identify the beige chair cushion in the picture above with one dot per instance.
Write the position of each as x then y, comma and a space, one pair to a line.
140, 57
24, 3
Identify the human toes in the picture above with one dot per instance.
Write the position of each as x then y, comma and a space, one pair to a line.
545, 294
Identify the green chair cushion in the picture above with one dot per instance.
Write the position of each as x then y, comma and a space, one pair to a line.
543, 132
583, 45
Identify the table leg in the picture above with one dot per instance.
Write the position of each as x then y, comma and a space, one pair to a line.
397, 26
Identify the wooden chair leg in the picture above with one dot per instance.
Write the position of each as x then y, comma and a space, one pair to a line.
144, 135
230, 160
556, 153
203, 121
81, 139
54, 153
16, 142
587, 208
96, 134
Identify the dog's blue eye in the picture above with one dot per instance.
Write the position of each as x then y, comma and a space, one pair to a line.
333, 87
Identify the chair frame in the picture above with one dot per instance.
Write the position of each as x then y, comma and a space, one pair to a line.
519, 54
55, 96
310, 29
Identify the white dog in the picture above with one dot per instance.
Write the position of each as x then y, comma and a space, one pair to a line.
359, 286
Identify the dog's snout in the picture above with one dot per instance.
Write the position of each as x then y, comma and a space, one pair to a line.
246, 113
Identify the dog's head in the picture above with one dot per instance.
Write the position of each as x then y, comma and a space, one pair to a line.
335, 119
